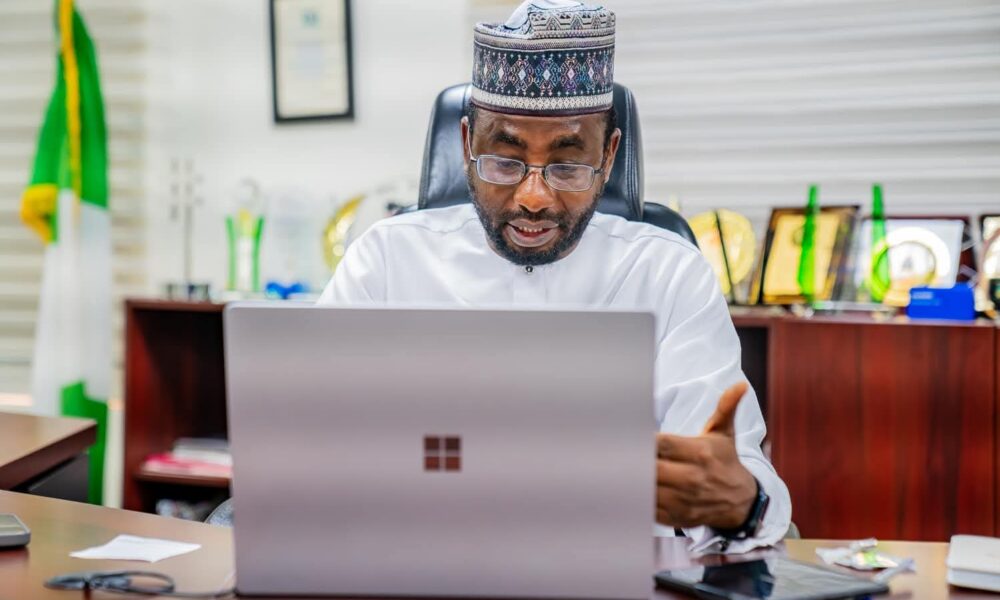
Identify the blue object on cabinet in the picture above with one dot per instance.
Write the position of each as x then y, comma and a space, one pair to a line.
277, 290
956, 303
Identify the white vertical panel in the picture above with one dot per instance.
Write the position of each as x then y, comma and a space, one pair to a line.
27, 62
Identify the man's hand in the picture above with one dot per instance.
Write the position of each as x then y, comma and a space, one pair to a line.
700, 480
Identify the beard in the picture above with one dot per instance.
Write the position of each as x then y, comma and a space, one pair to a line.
571, 230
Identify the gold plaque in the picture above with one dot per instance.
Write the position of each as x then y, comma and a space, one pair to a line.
740, 244
776, 280
781, 278
336, 231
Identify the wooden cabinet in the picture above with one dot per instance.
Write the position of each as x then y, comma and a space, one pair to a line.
886, 429
879, 429
174, 387
996, 435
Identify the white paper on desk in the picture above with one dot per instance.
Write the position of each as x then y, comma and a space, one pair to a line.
131, 547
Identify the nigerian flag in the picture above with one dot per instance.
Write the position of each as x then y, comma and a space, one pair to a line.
66, 204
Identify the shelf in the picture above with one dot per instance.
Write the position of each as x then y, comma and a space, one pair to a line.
174, 305
178, 479
767, 316
174, 388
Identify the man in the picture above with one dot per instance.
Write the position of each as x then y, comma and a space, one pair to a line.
540, 140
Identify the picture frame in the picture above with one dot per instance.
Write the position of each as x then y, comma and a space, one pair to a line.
312, 73
775, 279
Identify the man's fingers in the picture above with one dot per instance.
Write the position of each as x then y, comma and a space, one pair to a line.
722, 420
680, 448
677, 475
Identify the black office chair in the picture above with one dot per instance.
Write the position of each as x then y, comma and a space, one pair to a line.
443, 181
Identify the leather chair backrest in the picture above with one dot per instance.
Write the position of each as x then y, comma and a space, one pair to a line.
443, 181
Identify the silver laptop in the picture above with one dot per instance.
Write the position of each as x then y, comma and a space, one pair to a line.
385, 452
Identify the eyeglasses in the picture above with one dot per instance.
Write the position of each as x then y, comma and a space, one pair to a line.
566, 177
114, 581
128, 582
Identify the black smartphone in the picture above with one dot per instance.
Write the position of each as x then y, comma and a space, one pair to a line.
776, 578
13, 533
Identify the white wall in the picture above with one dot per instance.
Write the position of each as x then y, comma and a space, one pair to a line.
743, 104
210, 101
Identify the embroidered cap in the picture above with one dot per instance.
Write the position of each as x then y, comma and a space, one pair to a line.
551, 57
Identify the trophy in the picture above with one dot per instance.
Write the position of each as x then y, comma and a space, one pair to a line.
727, 241
184, 198
337, 232
243, 230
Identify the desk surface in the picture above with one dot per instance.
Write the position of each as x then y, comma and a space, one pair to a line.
31, 445
59, 527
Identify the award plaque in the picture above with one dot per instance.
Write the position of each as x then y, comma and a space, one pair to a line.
919, 251
727, 240
776, 279
989, 268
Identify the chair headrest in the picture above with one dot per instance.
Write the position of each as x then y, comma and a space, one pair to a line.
443, 182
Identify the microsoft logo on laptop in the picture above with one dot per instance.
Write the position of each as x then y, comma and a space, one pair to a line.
442, 453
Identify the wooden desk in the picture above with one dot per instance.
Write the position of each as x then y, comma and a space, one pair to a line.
34, 448
60, 527
929, 582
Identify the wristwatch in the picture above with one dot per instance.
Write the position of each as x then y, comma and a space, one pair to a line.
749, 527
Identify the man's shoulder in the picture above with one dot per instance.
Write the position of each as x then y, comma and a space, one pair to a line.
429, 221
618, 228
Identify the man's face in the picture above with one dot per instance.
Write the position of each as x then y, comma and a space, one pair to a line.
530, 223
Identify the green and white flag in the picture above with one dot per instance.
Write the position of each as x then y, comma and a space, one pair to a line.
66, 204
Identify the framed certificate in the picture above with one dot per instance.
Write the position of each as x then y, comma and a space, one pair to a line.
311, 72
